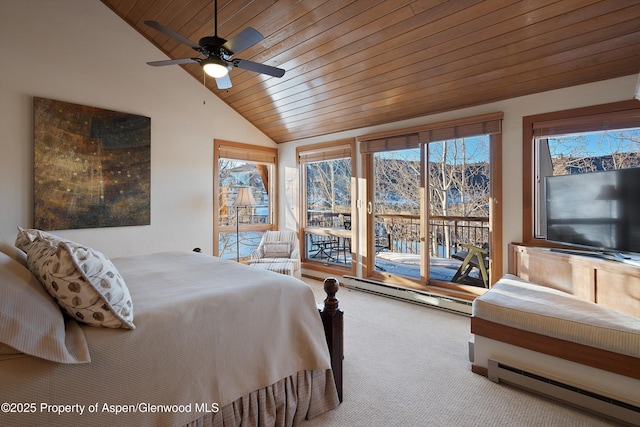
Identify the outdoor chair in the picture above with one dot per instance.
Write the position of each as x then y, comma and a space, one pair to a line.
320, 246
472, 257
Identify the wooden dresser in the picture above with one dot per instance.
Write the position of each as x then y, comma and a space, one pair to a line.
609, 283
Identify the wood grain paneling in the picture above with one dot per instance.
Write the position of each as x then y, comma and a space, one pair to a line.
612, 284
352, 64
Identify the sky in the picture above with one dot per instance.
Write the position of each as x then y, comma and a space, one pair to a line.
596, 143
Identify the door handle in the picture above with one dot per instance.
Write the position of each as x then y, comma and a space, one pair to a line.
369, 208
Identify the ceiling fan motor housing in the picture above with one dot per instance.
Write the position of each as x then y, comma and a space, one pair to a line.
211, 41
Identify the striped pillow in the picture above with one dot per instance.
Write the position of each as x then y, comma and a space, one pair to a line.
276, 249
30, 321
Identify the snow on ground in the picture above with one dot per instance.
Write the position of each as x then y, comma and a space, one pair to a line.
409, 265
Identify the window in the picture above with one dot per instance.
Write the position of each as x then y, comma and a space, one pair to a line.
239, 229
327, 174
598, 138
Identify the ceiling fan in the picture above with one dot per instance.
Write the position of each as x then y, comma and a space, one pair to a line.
218, 53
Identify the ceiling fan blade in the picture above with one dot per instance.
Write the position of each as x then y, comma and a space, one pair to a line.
243, 40
223, 82
258, 68
158, 26
172, 62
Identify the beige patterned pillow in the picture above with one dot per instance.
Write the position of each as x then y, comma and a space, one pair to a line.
83, 281
276, 249
26, 236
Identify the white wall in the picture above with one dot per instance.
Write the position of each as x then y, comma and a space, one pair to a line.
514, 110
79, 51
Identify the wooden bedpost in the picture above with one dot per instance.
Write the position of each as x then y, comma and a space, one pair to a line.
332, 319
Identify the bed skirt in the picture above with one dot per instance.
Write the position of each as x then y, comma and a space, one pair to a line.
301, 396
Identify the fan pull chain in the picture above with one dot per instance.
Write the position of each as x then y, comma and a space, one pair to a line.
204, 88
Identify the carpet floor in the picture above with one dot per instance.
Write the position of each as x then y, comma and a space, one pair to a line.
408, 365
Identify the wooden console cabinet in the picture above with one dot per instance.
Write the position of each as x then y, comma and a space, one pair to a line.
609, 283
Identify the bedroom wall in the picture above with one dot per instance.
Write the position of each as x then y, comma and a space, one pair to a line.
79, 51
514, 110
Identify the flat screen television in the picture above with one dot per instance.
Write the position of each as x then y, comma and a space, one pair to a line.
597, 210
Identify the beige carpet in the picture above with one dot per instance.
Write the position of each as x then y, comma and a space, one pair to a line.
407, 365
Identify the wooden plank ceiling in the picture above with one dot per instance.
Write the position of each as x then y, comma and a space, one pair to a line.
357, 63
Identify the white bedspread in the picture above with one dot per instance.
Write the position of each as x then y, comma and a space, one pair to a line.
208, 331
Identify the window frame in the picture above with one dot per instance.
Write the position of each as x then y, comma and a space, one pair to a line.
616, 115
244, 152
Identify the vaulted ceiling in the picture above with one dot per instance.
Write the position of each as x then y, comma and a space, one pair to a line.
356, 63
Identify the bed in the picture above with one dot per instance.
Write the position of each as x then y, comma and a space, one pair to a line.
203, 342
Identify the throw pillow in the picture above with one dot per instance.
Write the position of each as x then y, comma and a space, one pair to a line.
276, 249
83, 281
26, 236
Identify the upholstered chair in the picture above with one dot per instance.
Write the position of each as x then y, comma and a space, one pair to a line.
278, 247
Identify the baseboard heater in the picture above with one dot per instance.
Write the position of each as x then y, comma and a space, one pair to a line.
572, 395
414, 296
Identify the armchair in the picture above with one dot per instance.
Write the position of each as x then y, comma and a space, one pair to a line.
279, 249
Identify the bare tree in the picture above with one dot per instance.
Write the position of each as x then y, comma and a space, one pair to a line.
329, 185
397, 182
458, 186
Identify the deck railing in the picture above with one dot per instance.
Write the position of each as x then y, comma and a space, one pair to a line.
401, 233
446, 233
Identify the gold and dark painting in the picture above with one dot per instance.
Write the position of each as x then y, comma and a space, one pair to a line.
92, 167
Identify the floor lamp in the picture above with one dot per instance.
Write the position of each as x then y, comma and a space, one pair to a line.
244, 199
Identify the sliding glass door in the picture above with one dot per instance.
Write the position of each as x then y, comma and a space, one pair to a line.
431, 216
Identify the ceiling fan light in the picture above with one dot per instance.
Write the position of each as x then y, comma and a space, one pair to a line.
215, 67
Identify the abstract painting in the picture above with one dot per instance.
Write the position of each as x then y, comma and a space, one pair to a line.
92, 167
